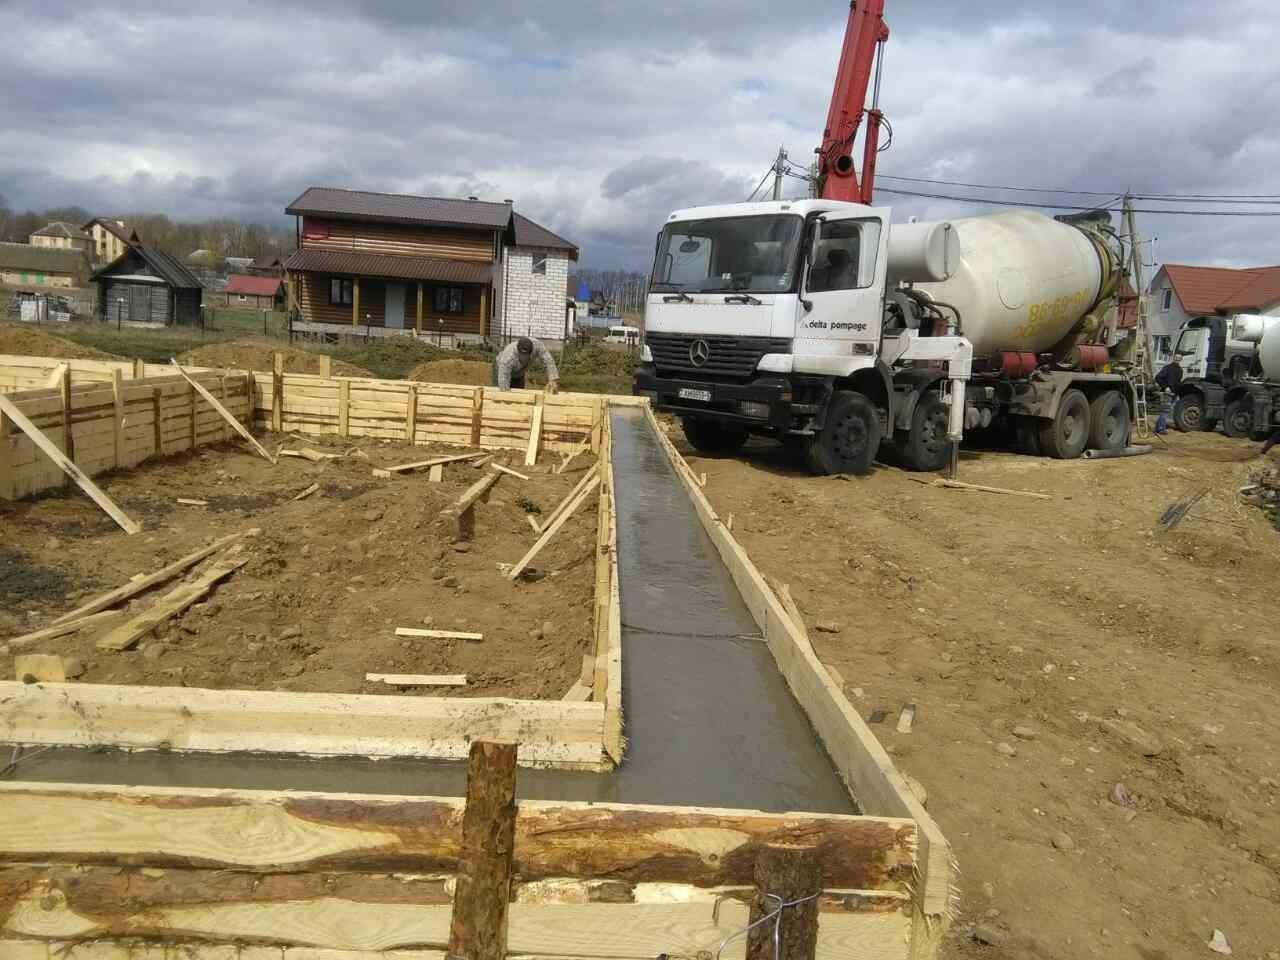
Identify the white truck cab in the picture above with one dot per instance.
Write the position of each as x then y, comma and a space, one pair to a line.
776, 318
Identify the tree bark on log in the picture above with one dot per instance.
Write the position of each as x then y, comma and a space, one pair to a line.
784, 875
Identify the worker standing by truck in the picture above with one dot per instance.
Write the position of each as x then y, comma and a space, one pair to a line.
512, 362
1169, 379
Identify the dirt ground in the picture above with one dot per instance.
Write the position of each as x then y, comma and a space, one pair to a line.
257, 355
330, 577
476, 373
28, 342
1097, 712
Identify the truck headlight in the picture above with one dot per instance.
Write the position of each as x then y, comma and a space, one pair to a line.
775, 363
646, 355
752, 408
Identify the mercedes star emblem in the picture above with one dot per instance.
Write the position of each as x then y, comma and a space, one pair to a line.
699, 352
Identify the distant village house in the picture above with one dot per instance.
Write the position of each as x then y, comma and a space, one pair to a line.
258, 293
147, 286
37, 269
1179, 292
393, 262
108, 239
60, 235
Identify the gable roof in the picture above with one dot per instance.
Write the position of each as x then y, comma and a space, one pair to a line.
268, 260
253, 286
166, 267
1258, 293
1223, 289
400, 208
60, 228
24, 257
530, 234
109, 225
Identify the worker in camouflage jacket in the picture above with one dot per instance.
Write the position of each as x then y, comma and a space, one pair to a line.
512, 362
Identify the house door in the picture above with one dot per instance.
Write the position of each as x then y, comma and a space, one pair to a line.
140, 303
395, 305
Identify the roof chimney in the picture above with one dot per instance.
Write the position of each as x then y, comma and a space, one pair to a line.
473, 198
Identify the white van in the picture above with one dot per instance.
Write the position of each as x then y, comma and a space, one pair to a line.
622, 334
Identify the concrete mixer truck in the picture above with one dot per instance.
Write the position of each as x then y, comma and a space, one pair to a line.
1213, 360
823, 324
1252, 404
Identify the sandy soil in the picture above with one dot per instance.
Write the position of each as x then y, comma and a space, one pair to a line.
330, 577
257, 355
476, 373
1029, 634
27, 342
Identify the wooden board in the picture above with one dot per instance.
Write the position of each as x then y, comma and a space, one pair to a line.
549, 531
308, 724
265, 831
62, 629
168, 572
438, 634
19, 419
418, 679
862, 761
170, 605
222, 412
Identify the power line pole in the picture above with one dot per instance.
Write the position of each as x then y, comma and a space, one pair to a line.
779, 165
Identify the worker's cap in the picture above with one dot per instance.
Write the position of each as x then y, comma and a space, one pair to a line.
525, 346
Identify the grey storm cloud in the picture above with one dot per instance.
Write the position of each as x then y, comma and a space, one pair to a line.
598, 119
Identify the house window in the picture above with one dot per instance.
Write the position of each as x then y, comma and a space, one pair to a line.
242, 298
1162, 347
539, 263
1168, 299
340, 292
447, 299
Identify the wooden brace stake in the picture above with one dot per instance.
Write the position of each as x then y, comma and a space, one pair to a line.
478, 926
222, 412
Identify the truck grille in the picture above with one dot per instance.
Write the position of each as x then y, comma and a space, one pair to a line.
729, 359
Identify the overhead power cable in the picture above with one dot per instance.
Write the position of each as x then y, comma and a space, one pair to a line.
1063, 206
1251, 198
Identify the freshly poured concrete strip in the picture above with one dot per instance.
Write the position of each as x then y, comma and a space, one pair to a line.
709, 720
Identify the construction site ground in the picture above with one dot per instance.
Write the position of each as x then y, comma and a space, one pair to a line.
1096, 696
330, 576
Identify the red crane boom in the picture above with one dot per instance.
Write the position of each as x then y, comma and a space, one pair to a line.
864, 36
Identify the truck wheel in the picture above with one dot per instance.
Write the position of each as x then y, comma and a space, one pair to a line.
1238, 421
1108, 421
925, 446
1188, 413
850, 438
1026, 435
708, 436
1066, 435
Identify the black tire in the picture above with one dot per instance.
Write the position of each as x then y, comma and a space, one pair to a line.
707, 436
925, 447
1108, 421
1026, 435
1188, 413
1067, 434
850, 438
1238, 421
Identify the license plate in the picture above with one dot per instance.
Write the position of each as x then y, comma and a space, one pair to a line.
689, 393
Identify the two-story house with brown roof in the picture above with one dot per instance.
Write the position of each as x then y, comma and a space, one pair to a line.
391, 263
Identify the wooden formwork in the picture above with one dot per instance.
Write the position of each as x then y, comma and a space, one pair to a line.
115, 423
98, 872
562, 734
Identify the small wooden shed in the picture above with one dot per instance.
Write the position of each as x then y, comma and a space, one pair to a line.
146, 285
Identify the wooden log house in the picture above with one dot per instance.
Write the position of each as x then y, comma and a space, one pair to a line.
381, 263
147, 285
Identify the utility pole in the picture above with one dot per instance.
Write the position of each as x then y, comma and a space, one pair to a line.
779, 165
1140, 371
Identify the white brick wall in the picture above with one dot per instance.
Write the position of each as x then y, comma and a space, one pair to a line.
534, 303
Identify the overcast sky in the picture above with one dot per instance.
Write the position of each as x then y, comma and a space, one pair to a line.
599, 118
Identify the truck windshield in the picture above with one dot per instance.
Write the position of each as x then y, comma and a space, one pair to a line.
732, 254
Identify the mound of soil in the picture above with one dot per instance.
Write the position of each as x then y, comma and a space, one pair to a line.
24, 342
256, 355
474, 373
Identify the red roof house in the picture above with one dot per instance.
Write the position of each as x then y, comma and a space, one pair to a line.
262, 293
1203, 290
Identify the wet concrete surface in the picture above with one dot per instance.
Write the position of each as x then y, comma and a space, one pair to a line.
708, 718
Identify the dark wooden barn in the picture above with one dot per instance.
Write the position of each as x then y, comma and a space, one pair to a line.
146, 285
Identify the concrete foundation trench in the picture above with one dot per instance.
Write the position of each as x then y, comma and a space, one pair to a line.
709, 719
